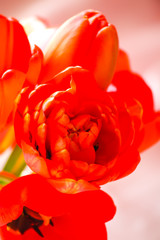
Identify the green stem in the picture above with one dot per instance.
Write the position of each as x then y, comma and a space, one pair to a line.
15, 163
5, 179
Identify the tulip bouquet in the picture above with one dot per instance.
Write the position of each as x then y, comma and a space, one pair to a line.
71, 109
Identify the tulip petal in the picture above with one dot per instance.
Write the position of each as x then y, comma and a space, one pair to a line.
68, 36
15, 48
136, 88
34, 161
71, 186
103, 56
122, 61
66, 228
122, 166
38, 194
8, 92
150, 133
95, 172
79, 168
35, 66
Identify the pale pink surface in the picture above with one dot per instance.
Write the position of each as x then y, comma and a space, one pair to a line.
138, 23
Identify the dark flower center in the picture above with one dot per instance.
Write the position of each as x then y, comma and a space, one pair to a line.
27, 220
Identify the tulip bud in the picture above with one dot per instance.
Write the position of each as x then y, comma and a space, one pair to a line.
87, 40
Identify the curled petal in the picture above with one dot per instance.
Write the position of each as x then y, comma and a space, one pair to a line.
150, 133
70, 186
136, 88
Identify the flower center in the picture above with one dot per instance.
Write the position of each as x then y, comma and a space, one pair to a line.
27, 220
80, 139
72, 137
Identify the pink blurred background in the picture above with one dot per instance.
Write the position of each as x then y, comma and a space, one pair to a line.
138, 24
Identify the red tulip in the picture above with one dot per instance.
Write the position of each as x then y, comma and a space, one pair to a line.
16, 63
86, 40
77, 131
33, 207
15, 55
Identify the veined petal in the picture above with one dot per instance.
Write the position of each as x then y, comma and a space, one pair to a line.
71, 186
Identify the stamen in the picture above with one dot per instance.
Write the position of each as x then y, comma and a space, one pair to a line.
27, 220
37, 147
51, 223
48, 155
36, 229
96, 146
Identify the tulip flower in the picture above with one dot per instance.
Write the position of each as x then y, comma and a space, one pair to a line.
16, 61
77, 131
32, 207
86, 39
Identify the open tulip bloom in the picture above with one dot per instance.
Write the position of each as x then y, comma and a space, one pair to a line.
69, 127
32, 207
81, 118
